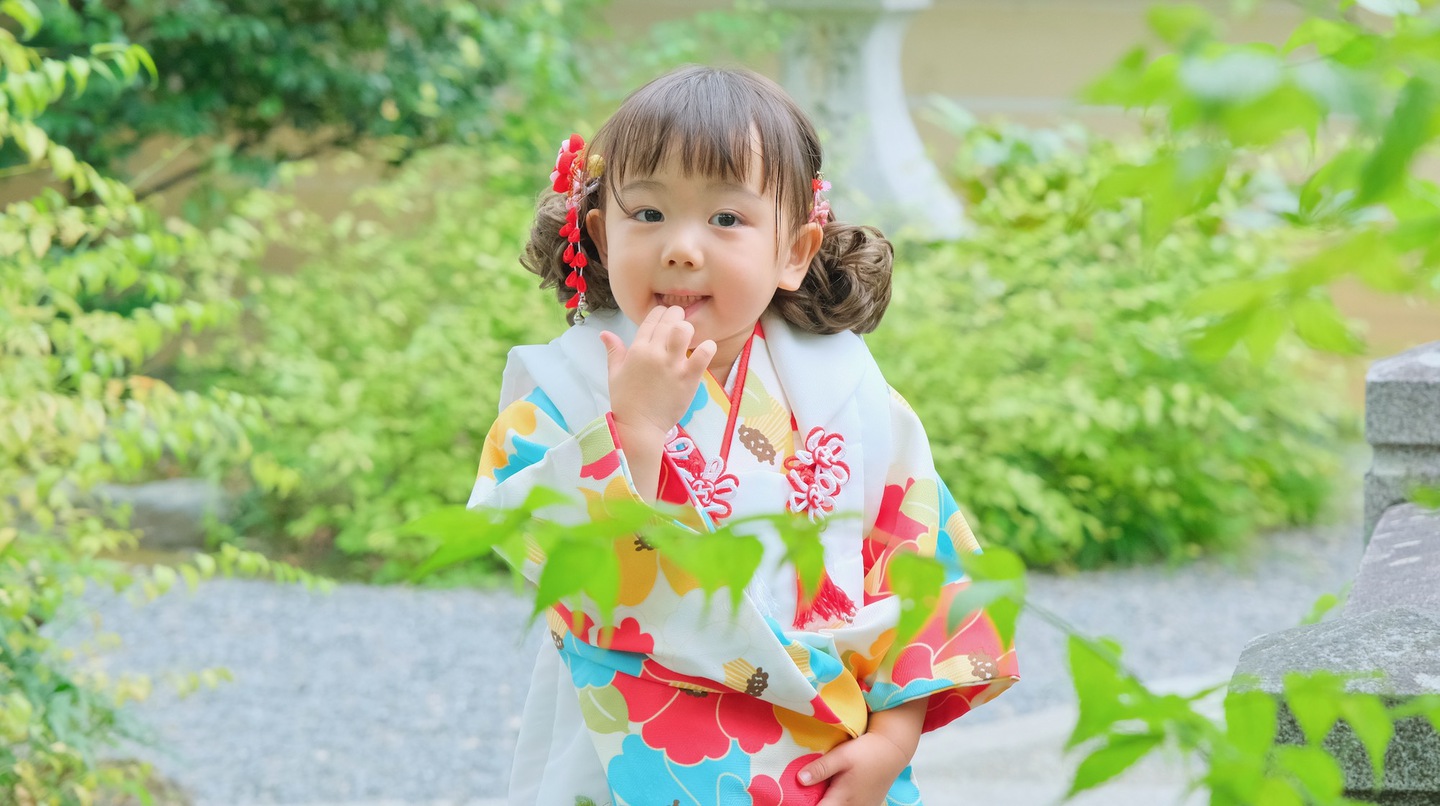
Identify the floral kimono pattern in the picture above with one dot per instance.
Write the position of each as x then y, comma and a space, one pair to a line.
685, 699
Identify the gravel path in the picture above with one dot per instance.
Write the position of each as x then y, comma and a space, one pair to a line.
413, 697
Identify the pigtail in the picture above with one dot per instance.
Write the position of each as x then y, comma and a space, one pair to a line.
847, 286
545, 252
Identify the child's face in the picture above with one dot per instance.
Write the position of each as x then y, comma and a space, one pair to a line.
701, 243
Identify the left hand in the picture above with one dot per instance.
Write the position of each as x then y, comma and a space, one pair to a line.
860, 770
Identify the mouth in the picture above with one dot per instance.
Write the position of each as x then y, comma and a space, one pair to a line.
690, 302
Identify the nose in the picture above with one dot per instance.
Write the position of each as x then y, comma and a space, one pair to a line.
683, 249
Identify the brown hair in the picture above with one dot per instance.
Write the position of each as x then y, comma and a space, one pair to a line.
707, 117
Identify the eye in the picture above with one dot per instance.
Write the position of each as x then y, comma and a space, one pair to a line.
649, 215
725, 220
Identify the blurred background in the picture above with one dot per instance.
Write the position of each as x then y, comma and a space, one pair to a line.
260, 276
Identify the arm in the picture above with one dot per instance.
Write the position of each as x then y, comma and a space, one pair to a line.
862, 770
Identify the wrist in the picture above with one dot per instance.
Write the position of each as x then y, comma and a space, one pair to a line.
638, 436
900, 726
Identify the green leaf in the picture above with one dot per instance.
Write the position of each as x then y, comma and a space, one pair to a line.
584, 567
1273, 116
1002, 601
1277, 792
1181, 24
1314, 700
24, 12
1250, 721
464, 534
1332, 186
1316, 771
997, 584
1404, 136
1321, 325
1371, 723
804, 550
1097, 680
1225, 298
1216, 340
916, 581
1427, 497
1118, 754
1327, 35
79, 73
717, 560
1322, 605
1266, 326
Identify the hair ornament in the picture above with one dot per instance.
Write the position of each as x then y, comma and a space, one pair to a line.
572, 176
820, 210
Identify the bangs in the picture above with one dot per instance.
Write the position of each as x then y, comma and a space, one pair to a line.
713, 123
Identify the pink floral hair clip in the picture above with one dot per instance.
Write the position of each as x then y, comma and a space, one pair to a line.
820, 209
573, 176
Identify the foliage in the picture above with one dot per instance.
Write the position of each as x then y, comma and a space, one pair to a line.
1244, 759
1360, 82
262, 82
77, 409
1047, 355
1241, 757
378, 358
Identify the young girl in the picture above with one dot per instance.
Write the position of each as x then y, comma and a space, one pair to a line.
712, 363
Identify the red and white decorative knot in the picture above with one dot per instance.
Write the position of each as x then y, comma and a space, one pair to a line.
572, 174
711, 486
816, 473
820, 208
713, 489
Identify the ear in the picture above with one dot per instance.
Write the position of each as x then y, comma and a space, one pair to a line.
595, 228
802, 250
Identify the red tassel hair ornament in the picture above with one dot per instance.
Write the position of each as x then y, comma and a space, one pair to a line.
573, 175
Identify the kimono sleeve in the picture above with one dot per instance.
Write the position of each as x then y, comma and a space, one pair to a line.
957, 667
531, 446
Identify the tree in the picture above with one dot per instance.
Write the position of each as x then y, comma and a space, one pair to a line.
1356, 91
262, 82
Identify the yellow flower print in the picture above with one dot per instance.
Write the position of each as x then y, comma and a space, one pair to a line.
809, 732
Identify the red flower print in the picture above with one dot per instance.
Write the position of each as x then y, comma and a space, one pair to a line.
628, 637
766, 791
690, 726
602, 467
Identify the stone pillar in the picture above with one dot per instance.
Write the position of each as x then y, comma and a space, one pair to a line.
843, 67
1402, 425
1390, 625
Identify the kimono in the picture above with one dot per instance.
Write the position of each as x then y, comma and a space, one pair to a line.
686, 699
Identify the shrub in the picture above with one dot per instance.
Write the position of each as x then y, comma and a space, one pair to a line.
90, 296
379, 357
1050, 356
257, 83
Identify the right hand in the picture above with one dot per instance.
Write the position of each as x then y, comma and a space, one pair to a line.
653, 382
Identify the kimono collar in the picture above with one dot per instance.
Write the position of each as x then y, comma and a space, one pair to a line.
583, 347
820, 373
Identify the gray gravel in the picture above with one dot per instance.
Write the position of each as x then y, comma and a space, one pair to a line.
409, 697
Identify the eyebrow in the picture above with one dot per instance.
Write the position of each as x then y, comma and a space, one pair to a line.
717, 184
